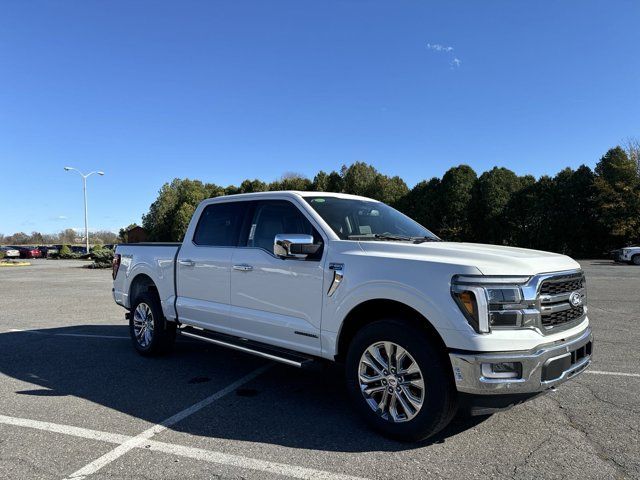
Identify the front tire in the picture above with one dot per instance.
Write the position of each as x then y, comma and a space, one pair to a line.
399, 382
635, 260
150, 332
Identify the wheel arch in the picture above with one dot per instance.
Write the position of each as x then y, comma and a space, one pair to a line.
372, 310
141, 283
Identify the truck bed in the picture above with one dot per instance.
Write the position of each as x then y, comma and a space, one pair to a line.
155, 260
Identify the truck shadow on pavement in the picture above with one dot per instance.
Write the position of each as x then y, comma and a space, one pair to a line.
283, 406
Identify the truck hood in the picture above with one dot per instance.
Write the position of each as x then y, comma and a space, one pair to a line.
489, 259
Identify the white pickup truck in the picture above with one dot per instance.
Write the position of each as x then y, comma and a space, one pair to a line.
629, 254
423, 327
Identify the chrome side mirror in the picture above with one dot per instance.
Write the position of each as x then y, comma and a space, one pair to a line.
294, 245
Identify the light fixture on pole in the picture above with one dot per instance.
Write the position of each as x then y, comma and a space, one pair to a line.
84, 191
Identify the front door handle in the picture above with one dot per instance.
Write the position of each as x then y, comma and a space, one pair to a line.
187, 263
243, 267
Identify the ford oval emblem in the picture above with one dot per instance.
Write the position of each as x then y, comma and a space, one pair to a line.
575, 299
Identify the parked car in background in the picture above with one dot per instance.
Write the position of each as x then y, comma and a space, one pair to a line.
29, 252
47, 251
627, 255
78, 249
10, 252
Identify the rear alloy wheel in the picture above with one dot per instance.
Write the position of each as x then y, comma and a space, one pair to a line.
150, 332
143, 324
635, 260
399, 381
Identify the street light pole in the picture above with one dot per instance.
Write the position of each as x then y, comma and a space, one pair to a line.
84, 192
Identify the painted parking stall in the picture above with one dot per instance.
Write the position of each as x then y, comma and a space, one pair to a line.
77, 402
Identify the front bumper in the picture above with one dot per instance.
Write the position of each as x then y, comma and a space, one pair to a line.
544, 367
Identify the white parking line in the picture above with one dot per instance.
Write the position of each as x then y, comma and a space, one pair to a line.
238, 461
140, 439
615, 374
89, 335
200, 454
86, 335
65, 429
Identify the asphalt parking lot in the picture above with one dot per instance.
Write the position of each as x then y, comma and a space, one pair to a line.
77, 402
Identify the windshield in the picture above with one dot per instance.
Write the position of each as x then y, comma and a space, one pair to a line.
353, 219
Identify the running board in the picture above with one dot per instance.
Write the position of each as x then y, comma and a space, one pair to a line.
269, 352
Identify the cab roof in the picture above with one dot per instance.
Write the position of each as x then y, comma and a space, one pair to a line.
290, 193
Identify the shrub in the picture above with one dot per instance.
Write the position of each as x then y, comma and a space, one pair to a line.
102, 258
65, 252
102, 255
1, 254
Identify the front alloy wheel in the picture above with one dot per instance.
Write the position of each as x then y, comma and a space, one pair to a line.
400, 379
391, 382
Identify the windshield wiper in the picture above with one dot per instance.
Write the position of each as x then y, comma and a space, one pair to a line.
425, 239
394, 237
382, 236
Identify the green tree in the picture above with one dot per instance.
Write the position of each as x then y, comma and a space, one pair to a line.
389, 190
423, 205
65, 252
363, 179
252, 186
320, 182
490, 196
359, 179
335, 183
528, 215
292, 181
574, 219
169, 214
454, 197
617, 189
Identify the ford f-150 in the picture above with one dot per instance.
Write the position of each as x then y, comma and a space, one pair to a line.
423, 327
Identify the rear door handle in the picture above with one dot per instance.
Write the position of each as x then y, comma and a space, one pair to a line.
243, 267
187, 263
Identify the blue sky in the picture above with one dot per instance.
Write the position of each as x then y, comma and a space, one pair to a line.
222, 91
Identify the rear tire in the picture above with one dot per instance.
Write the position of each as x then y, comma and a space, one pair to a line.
150, 331
408, 413
635, 260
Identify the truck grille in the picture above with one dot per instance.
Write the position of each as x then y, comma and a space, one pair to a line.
562, 284
556, 308
558, 318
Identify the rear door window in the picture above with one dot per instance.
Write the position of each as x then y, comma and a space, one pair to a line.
219, 224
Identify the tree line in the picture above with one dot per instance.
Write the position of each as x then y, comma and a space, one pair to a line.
581, 212
65, 237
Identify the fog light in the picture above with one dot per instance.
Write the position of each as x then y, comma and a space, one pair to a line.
504, 319
502, 370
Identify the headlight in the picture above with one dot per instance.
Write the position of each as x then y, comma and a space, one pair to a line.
493, 302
